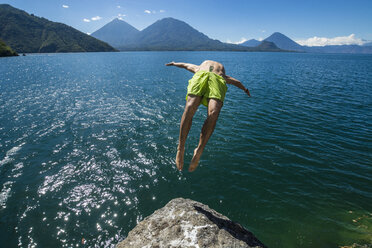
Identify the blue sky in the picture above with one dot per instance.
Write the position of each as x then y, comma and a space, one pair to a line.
315, 21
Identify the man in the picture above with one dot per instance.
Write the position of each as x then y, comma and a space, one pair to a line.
207, 87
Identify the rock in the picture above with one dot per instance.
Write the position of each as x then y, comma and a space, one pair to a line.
187, 223
357, 246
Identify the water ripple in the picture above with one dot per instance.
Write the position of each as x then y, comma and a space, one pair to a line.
88, 144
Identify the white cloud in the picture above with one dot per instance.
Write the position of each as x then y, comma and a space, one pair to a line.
88, 33
154, 11
96, 18
237, 42
118, 6
120, 16
323, 41
242, 40
65, 6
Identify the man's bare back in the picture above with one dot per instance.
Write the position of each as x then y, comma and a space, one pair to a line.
212, 66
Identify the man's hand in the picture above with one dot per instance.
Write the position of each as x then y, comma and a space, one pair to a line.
247, 92
170, 64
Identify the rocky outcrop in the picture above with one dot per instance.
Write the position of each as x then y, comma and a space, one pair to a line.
187, 223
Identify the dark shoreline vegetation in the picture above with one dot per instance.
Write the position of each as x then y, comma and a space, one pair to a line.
6, 51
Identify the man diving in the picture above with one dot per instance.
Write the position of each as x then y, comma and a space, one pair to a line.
207, 87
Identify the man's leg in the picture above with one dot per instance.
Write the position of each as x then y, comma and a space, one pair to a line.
214, 108
192, 105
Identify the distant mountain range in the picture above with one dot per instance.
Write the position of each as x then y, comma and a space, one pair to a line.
166, 34
172, 34
27, 33
340, 49
285, 43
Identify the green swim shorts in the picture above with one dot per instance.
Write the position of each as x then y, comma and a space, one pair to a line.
208, 85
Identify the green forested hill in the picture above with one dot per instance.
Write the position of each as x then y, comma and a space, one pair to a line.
6, 50
268, 46
27, 33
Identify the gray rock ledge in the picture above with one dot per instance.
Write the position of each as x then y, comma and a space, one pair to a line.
188, 223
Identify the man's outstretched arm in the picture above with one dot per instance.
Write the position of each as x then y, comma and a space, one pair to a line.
237, 83
190, 67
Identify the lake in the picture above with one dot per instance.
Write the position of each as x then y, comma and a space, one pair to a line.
88, 143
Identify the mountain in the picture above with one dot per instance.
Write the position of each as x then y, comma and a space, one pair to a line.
116, 33
340, 49
251, 43
283, 42
167, 34
367, 44
6, 51
170, 34
27, 33
268, 46
286, 43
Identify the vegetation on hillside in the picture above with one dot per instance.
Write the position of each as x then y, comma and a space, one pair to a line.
27, 33
5, 50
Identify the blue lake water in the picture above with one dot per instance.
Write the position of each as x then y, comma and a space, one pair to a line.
88, 142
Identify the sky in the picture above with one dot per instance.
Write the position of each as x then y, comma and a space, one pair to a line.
309, 22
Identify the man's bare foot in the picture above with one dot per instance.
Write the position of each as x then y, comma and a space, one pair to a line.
179, 158
195, 160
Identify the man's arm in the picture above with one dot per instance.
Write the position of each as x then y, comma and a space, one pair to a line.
190, 67
237, 83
